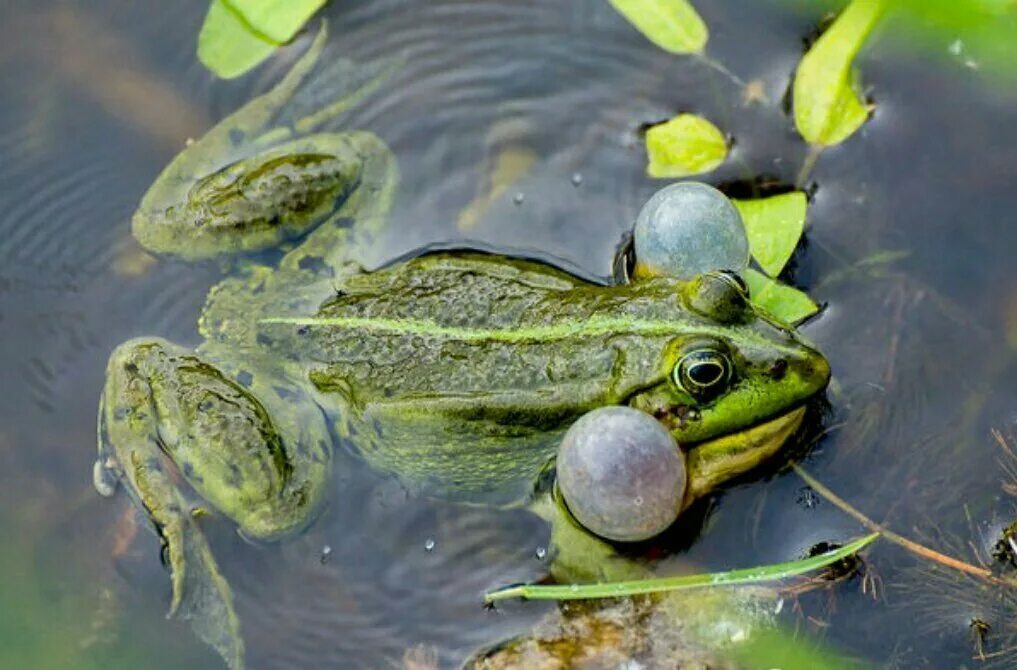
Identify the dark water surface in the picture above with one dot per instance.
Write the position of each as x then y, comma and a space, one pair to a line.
96, 97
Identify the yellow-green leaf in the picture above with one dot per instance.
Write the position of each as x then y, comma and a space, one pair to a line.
784, 302
685, 145
279, 20
827, 106
239, 34
673, 25
774, 225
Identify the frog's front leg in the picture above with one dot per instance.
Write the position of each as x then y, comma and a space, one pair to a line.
167, 417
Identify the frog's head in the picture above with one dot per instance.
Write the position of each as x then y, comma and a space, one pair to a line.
734, 387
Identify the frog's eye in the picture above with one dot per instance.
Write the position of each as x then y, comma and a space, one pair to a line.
703, 373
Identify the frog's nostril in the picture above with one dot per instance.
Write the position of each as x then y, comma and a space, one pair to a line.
778, 369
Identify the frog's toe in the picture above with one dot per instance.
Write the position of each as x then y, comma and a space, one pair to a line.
201, 595
104, 478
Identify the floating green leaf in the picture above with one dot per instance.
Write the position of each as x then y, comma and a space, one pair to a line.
673, 25
685, 145
827, 106
774, 226
756, 575
784, 302
279, 20
239, 34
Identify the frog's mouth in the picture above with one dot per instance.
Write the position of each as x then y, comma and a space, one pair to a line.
712, 462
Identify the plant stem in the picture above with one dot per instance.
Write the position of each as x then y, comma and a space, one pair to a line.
900, 540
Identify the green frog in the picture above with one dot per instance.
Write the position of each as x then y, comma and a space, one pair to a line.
457, 371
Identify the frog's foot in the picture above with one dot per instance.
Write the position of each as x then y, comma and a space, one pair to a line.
166, 417
132, 439
201, 594
168, 420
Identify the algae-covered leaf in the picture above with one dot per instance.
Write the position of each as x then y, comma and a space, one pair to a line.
673, 25
827, 106
239, 34
784, 302
774, 225
685, 145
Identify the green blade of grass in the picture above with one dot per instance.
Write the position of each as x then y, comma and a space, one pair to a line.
765, 573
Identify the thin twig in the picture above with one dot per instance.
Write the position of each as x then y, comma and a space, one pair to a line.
900, 540
719, 67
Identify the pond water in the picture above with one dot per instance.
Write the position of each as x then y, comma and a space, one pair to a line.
910, 244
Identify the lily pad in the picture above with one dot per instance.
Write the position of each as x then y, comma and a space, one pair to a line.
782, 301
685, 145
238, 34
774, 225
673, 25
827, 106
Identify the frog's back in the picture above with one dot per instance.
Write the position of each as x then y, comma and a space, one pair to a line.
460, 371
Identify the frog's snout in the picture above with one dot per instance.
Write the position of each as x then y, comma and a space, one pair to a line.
810, 369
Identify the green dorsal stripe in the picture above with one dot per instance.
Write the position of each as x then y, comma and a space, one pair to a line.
591, 327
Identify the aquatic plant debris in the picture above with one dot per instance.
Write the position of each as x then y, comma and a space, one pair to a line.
238, 34
765, 573
782, 301
827, 106
673, 25
684, 146
774, 226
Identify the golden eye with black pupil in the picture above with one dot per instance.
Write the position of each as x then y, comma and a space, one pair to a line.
703, 373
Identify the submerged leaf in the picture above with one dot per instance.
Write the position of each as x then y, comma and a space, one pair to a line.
755, 575
784, 302
827, 107
685, 145
673, 25
239, 34
774, 225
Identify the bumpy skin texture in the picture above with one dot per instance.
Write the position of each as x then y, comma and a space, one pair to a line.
460, 371
456, 371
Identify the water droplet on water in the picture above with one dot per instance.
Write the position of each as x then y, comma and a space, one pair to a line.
518, 198
577, 179
541, 553
429, 544
326, 553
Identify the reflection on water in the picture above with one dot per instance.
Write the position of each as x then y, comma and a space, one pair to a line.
517, 126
